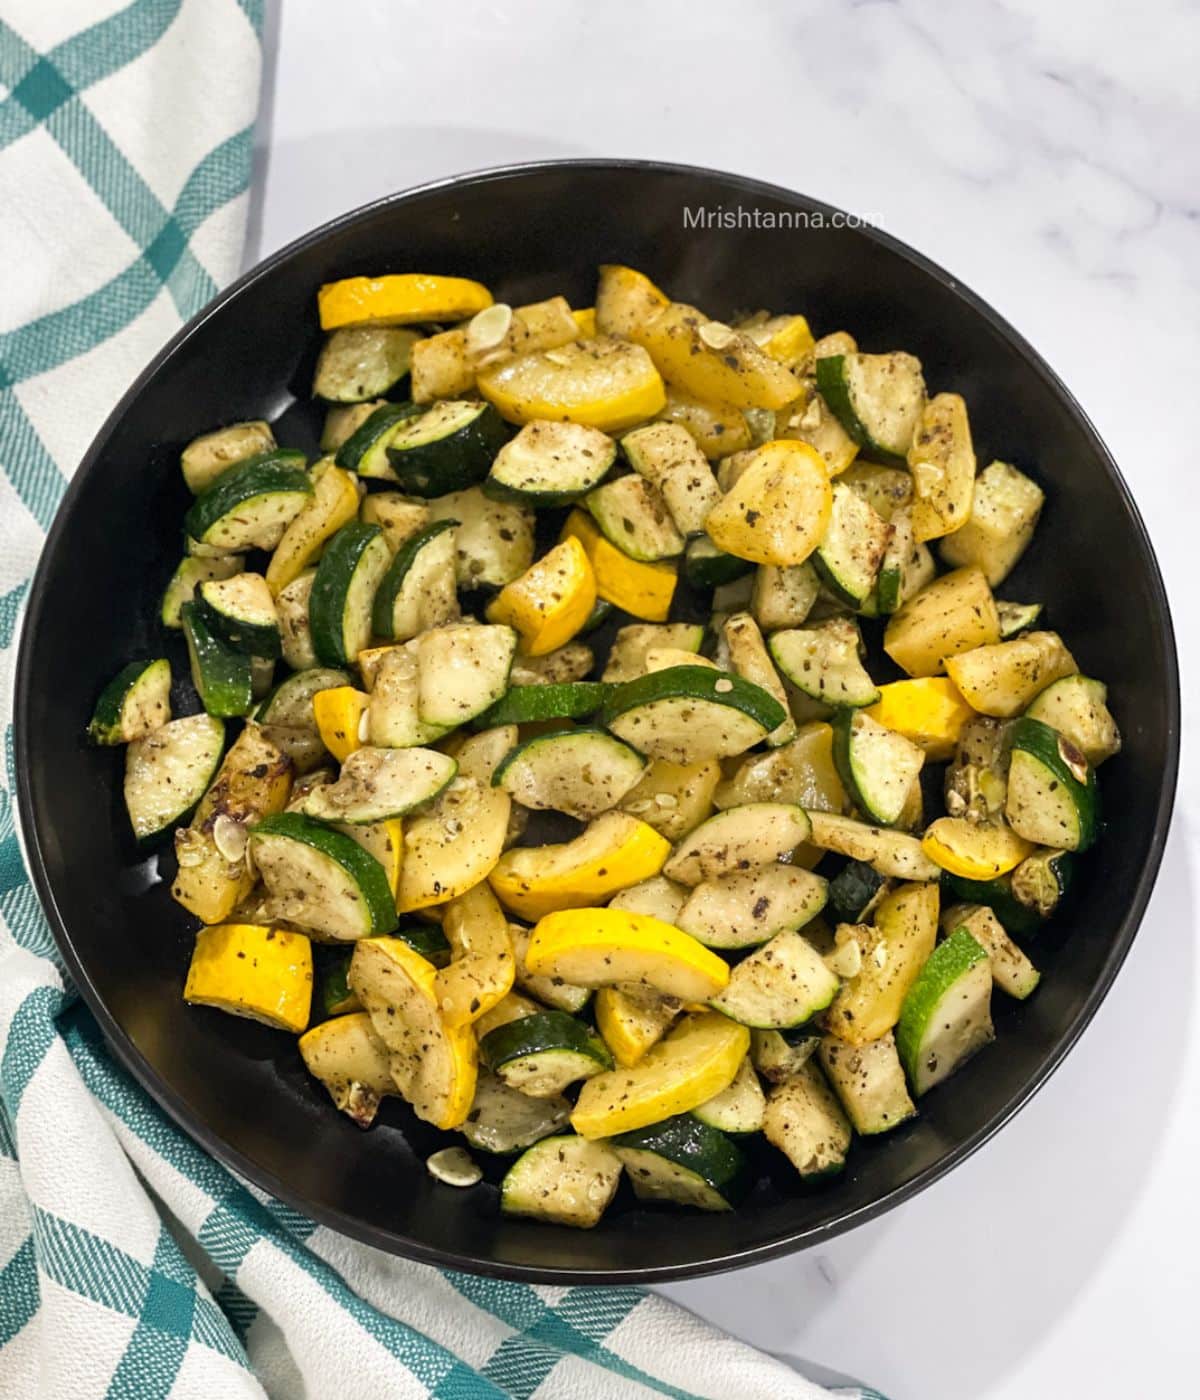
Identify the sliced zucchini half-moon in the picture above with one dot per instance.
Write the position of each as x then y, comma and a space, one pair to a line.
824, 663
550, 464
133, 704
582, 772
1052, 797
543, 1053
749, 907
878, 399
782, 985
739, 1108
566, 1180
445, 447
343, 591
740, 838
362, 362
376, 784
504, 1120
241, 611
418, 591
683, 1161
169, 770
878, 766
250, 505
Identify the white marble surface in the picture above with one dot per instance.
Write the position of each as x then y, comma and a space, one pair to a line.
1047, 154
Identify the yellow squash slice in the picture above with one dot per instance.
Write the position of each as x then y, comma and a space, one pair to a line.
697, 1060
453, 845
605, 947
631, 1025
615, 851
333, 503
973, 850
401, 299
433, 1065
1004, 679
338, 714
718, 428
778, 510
602, 383
551, 601
482, 966
626, 300
346, 1055
953, 614
929, 711
644, 590
250, 970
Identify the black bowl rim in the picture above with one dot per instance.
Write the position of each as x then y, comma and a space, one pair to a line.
160, 1091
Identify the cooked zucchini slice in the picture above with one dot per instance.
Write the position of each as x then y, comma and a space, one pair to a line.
1016, 618
562, 666
1052, 797
320, 880
1076, 707
892, 853
666, 454
739, 1108
222, 676
362, 362
1003, 679
337, 999
781, 986
849, 555
503, 1120
942, 462
855, 891
953, 614
739, 839
446, 447
494, 541
823, 663
749, 907
205, 458
582, 772
778, 1055
1012, 971
906, 567
291, 702
1004, 515
541, 1054
894, 950
805, 1121
878, 399
674, 798
688, 713
168, 770
264, 974
433, 1065
418, 590
241, 611
249, 505
706, 567
683, 1161
295, 633
365, 450
191, 573
749, 658
565, 1180
947, 1014
634, 517
550, 464
376, 784
351, 1061
627, 657
462, 671
783, 597
869, 1080
533, 704
133, 704
878, 767
658, 897
802, 772
339, 606
393, 720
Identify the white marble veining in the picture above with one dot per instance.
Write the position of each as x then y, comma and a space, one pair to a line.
1049, 154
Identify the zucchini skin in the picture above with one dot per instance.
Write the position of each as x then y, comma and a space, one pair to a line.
1018, 919
706, 570
393, 581
356, 450
426, 939
527, 704
279, 470
108, 716
698, 1148
1033, 737
831, 384
451, 463
537, 1034
852, 889
222, 676
327, 600
695, 683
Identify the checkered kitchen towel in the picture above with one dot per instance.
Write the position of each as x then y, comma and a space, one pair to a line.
132, 1264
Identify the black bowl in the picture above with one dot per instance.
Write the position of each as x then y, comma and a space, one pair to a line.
528, 232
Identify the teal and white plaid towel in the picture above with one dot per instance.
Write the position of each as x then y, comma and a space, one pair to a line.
132, 1264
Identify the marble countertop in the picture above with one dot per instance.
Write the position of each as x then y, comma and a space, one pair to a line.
1047, 155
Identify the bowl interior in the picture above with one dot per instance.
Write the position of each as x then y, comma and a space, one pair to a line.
529, 233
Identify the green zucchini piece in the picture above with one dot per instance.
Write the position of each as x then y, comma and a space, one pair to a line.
627, 657
804, 1119
779, 987
376, 784
136, 701
191, 573
418, 590
634, 517
777, 1055
1052, 797
503, 1120
1012, 971
241, 611
426, 939
906, 567
550, 464
321, 880
892, 853
168, 771
854, 892
337, 996
581, 772
362, 362
532, 704
205, 458
290, 703
849, 556
783, 596
823, 663
222, 676
1041, 881
250, 504
1016, 618
749, 907
689, 713
947, 1015
1077, 707
705, 566
365, 450
601, 611
566, 1180
343, 591
1018, 919
878, 399
543, 1053
877, 766
869, 1080
684, 1161
494, 542
738, 839
447, 446
462, 671
738, 1109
